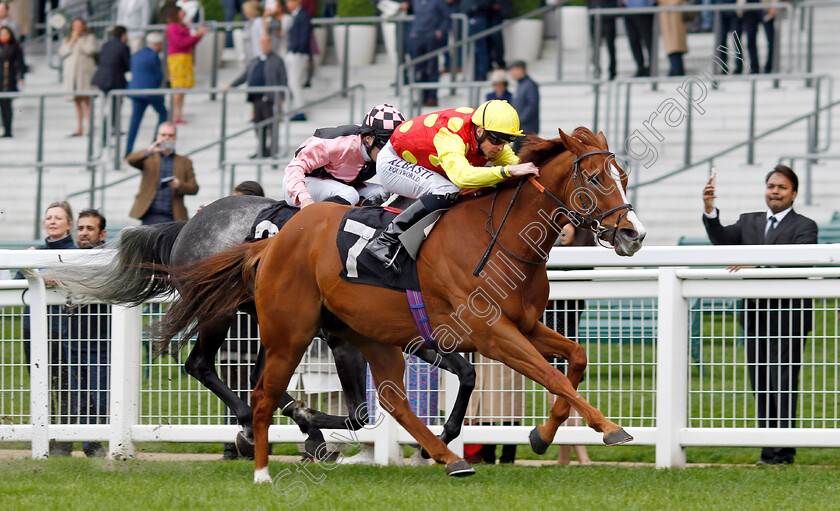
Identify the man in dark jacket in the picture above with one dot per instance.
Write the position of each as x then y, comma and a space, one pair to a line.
298, 52
114, 63
428, 33
266, 70
775, 328
526, 101
146, 73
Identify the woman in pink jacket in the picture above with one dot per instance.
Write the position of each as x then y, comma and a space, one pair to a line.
179, 57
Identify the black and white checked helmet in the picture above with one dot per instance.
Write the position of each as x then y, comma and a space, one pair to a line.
381, 122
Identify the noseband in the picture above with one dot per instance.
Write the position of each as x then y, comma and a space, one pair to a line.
592, 220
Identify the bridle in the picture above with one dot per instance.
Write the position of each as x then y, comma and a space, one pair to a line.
592, 220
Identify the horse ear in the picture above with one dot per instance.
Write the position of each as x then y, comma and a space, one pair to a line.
602, 140
571, 143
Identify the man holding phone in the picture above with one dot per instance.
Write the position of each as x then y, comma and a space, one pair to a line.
167, 177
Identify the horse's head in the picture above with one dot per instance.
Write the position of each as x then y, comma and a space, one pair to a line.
591, 184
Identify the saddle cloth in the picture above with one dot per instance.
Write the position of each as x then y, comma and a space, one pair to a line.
357, 228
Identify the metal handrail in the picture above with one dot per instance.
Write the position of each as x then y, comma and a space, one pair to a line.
753, 78
808, 19
718, 8
468, 42
355, 105
710, 159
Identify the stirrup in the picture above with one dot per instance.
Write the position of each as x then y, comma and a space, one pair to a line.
392, 264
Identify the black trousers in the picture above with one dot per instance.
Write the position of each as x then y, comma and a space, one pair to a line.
640, 37
6, 111
608, 37
750, 24
263, 110
775, 330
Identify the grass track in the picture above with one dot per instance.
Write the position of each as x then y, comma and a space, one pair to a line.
79, 484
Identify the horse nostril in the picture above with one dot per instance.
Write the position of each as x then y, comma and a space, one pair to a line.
629, 234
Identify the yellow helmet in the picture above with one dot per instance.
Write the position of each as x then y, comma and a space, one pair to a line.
498, 116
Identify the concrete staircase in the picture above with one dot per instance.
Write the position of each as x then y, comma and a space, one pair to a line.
670, 208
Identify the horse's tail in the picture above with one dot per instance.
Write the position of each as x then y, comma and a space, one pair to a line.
208, 288
129, 279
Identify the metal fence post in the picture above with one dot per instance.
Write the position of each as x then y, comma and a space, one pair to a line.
751, 134
126, 325
386, 449
688, 123
39, 377
671, 376
39, 158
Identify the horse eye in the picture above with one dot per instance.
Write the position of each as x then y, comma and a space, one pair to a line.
595, 179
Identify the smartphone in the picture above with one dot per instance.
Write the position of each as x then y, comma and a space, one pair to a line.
166, 179
713, 173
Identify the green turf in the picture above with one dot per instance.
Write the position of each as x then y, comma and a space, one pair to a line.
97, 484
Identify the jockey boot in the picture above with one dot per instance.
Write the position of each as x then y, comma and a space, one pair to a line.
385, 247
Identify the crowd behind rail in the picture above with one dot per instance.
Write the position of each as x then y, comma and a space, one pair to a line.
277, 48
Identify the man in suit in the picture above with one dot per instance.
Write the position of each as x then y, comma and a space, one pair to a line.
114, 63
146, 73
265, 70
775, 328
298, 53
167, 177
526, 101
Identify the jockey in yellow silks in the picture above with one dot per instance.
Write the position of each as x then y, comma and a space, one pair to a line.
433, 156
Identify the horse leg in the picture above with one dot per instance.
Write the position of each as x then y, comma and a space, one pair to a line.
200, 364
461, 367
350, 366
506, 344
387, 366
551, 344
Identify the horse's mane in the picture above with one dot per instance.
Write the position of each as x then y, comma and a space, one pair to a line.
540, 151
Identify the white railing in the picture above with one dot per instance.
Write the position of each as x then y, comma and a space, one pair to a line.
665, 360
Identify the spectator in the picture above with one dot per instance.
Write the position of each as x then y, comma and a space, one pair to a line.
496, 42
267, 69
12, 68
279, 21
252, 31
90, 331
78, 50
730, 23
498, 78
673, 36
478, 19
749, 24
231, 8
58, 220
297, 57
167, 177
179, 58
193, 11
563, 319
162, 11
526, 101
249, 188
146, 73
497, 397
8, 22
114, 63
775, 328
135, 15
640, 35
428, 33
607, 35
454, 7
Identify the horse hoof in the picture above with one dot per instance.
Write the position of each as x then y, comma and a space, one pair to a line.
261, 476
617, 437
320, 451
459, 469
245, 448
538, 445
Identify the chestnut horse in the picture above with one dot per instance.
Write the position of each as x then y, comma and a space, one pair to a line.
297, 289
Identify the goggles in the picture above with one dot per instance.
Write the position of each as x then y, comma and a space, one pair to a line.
497, 138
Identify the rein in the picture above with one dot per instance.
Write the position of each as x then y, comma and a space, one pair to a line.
590, 221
